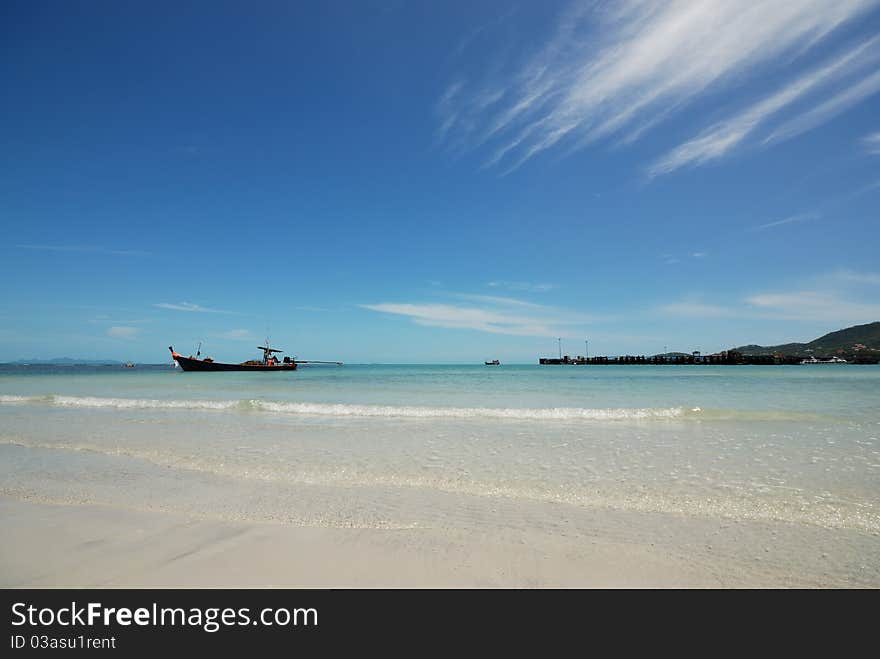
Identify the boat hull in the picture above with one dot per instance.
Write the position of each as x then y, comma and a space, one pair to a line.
190, 364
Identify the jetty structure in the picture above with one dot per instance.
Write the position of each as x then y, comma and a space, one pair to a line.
726, 357
732, 357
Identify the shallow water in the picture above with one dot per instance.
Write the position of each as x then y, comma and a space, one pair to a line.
357, 445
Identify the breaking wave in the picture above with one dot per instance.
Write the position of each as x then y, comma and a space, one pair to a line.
561, 413
348, 410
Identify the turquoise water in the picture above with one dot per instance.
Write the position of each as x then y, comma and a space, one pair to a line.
846, 393
356, 445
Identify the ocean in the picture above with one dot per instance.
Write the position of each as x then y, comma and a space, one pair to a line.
466, 447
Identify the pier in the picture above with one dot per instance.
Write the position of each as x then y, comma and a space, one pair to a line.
723, 358
859, 344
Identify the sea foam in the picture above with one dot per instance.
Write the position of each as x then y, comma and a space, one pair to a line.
350, 410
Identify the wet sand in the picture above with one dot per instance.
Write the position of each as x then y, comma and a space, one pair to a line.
48, 545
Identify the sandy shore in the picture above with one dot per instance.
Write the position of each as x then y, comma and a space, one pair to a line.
100, 546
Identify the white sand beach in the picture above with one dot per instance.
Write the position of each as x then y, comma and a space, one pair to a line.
101, 546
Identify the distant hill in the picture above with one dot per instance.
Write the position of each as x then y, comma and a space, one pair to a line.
863, 339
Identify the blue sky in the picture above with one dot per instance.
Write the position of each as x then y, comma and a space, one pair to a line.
436, 182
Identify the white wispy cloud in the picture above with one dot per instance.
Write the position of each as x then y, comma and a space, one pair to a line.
827, 110
839, 296
525, 286
237, 335
494, 315
91, 249
497, 300
695, 309
800, 217
105, 320
722, 137
845, 276
872, 143
446, 109
814, 305
122, 332
842, 296
618, 69
474, 32
310, 308
188, 306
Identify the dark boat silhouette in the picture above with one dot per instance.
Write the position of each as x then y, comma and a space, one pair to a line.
494, 362
269, 362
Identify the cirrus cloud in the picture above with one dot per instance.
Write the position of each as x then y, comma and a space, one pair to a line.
89, 249
724, 136
842, 296
496, 315
188, 306
616, 70
122, 332
525, 286
237, 335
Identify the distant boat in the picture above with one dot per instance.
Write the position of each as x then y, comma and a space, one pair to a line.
494, 362
129, 365
833, 360
269, 362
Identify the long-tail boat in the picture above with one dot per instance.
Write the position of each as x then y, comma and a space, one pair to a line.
269, 362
